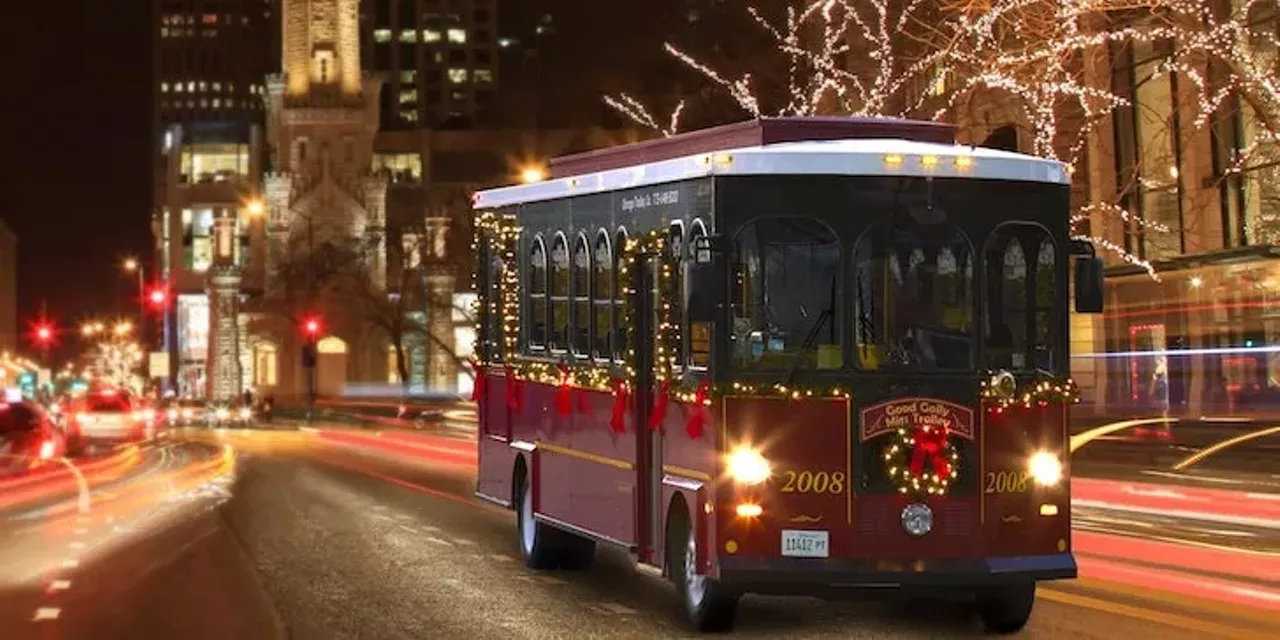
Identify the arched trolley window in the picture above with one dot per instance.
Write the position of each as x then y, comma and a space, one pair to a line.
620, 286
535, 321
602, 297
559, 337
786, 291
581, 290
1021, 280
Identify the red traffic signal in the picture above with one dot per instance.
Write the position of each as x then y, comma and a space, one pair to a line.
158, 297
311, 326
44, 333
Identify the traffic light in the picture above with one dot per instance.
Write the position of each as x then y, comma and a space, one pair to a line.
311, 327
44, 333
158, 297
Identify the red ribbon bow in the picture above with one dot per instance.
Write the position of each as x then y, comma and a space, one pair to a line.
698, 420
618, 421
477, 390
514, 388
564, 395
928, 445
659, 414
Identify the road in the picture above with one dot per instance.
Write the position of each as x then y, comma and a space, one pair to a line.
275, 534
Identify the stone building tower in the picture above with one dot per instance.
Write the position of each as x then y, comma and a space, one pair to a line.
224, 373
322, 117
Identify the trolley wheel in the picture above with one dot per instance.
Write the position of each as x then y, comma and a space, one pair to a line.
1007, 608
538, 541
709, 605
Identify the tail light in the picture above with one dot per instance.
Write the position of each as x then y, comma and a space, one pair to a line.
47, 449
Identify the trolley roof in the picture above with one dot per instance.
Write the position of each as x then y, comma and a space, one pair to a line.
780, 146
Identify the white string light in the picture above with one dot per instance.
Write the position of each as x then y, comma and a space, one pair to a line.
918, 59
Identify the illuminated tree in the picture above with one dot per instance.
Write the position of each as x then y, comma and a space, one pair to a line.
1043, 62
118, 362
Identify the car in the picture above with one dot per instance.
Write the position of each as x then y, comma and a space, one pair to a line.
230, 416
108, 418
28, 438
184, 413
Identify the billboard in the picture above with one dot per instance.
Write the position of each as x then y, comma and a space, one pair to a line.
193, 327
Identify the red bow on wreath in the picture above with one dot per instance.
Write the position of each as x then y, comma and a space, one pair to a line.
698, 420
618, 422
929, 445
564, 395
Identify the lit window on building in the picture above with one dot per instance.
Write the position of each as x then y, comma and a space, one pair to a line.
209, 18
231, 87
408, 77
164, 32
177, 87
264, 364
204, 86
409, 35
217, 86
204, 163
409, 115
430, 35
191, 87
483, 75
459, 96
204, 103
458, 36
400, 167
164, 87
217, 103
382, 35
505, 43
408, 96
438, 57
457, 76
197, 238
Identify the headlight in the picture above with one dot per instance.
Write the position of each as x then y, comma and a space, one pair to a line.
222, 414
173, 415
188, 414
246, 414
747, 466
1045, 469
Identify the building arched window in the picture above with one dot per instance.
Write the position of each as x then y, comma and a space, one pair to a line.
581, 291
559, 336
620, 287
602, 298
535, 324
265, 364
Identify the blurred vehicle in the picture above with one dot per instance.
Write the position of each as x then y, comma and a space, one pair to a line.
185, 412
230, 416
28, 438
108, 418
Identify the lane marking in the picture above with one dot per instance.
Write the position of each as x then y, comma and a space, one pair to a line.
463, 543
46, 613
70, 563
501, 558
77, 545
1083, 438
83, 501
59, 585
439, 541
1149, 615
1225, 444
542, 579
81, 531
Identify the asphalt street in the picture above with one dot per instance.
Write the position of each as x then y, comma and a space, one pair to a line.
280, 534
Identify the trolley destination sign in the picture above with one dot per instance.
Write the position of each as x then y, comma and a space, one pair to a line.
916, 413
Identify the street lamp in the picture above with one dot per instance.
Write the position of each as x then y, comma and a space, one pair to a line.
122, 328
532, 174
255, 207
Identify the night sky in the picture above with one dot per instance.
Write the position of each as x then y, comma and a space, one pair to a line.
76, 178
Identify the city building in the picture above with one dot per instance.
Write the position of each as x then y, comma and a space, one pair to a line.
210, 66
8, 288
439, 60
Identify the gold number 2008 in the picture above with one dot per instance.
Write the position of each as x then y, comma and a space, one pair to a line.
1006, 481
813, 482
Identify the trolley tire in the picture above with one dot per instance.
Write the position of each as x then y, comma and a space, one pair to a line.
539, 542
577, 553
1006, 609
710, 606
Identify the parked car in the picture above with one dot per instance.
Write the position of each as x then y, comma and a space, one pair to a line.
28, 438
108, 418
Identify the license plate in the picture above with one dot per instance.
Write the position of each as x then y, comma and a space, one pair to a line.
806, 544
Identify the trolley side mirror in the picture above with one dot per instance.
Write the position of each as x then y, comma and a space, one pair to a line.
1089, 281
